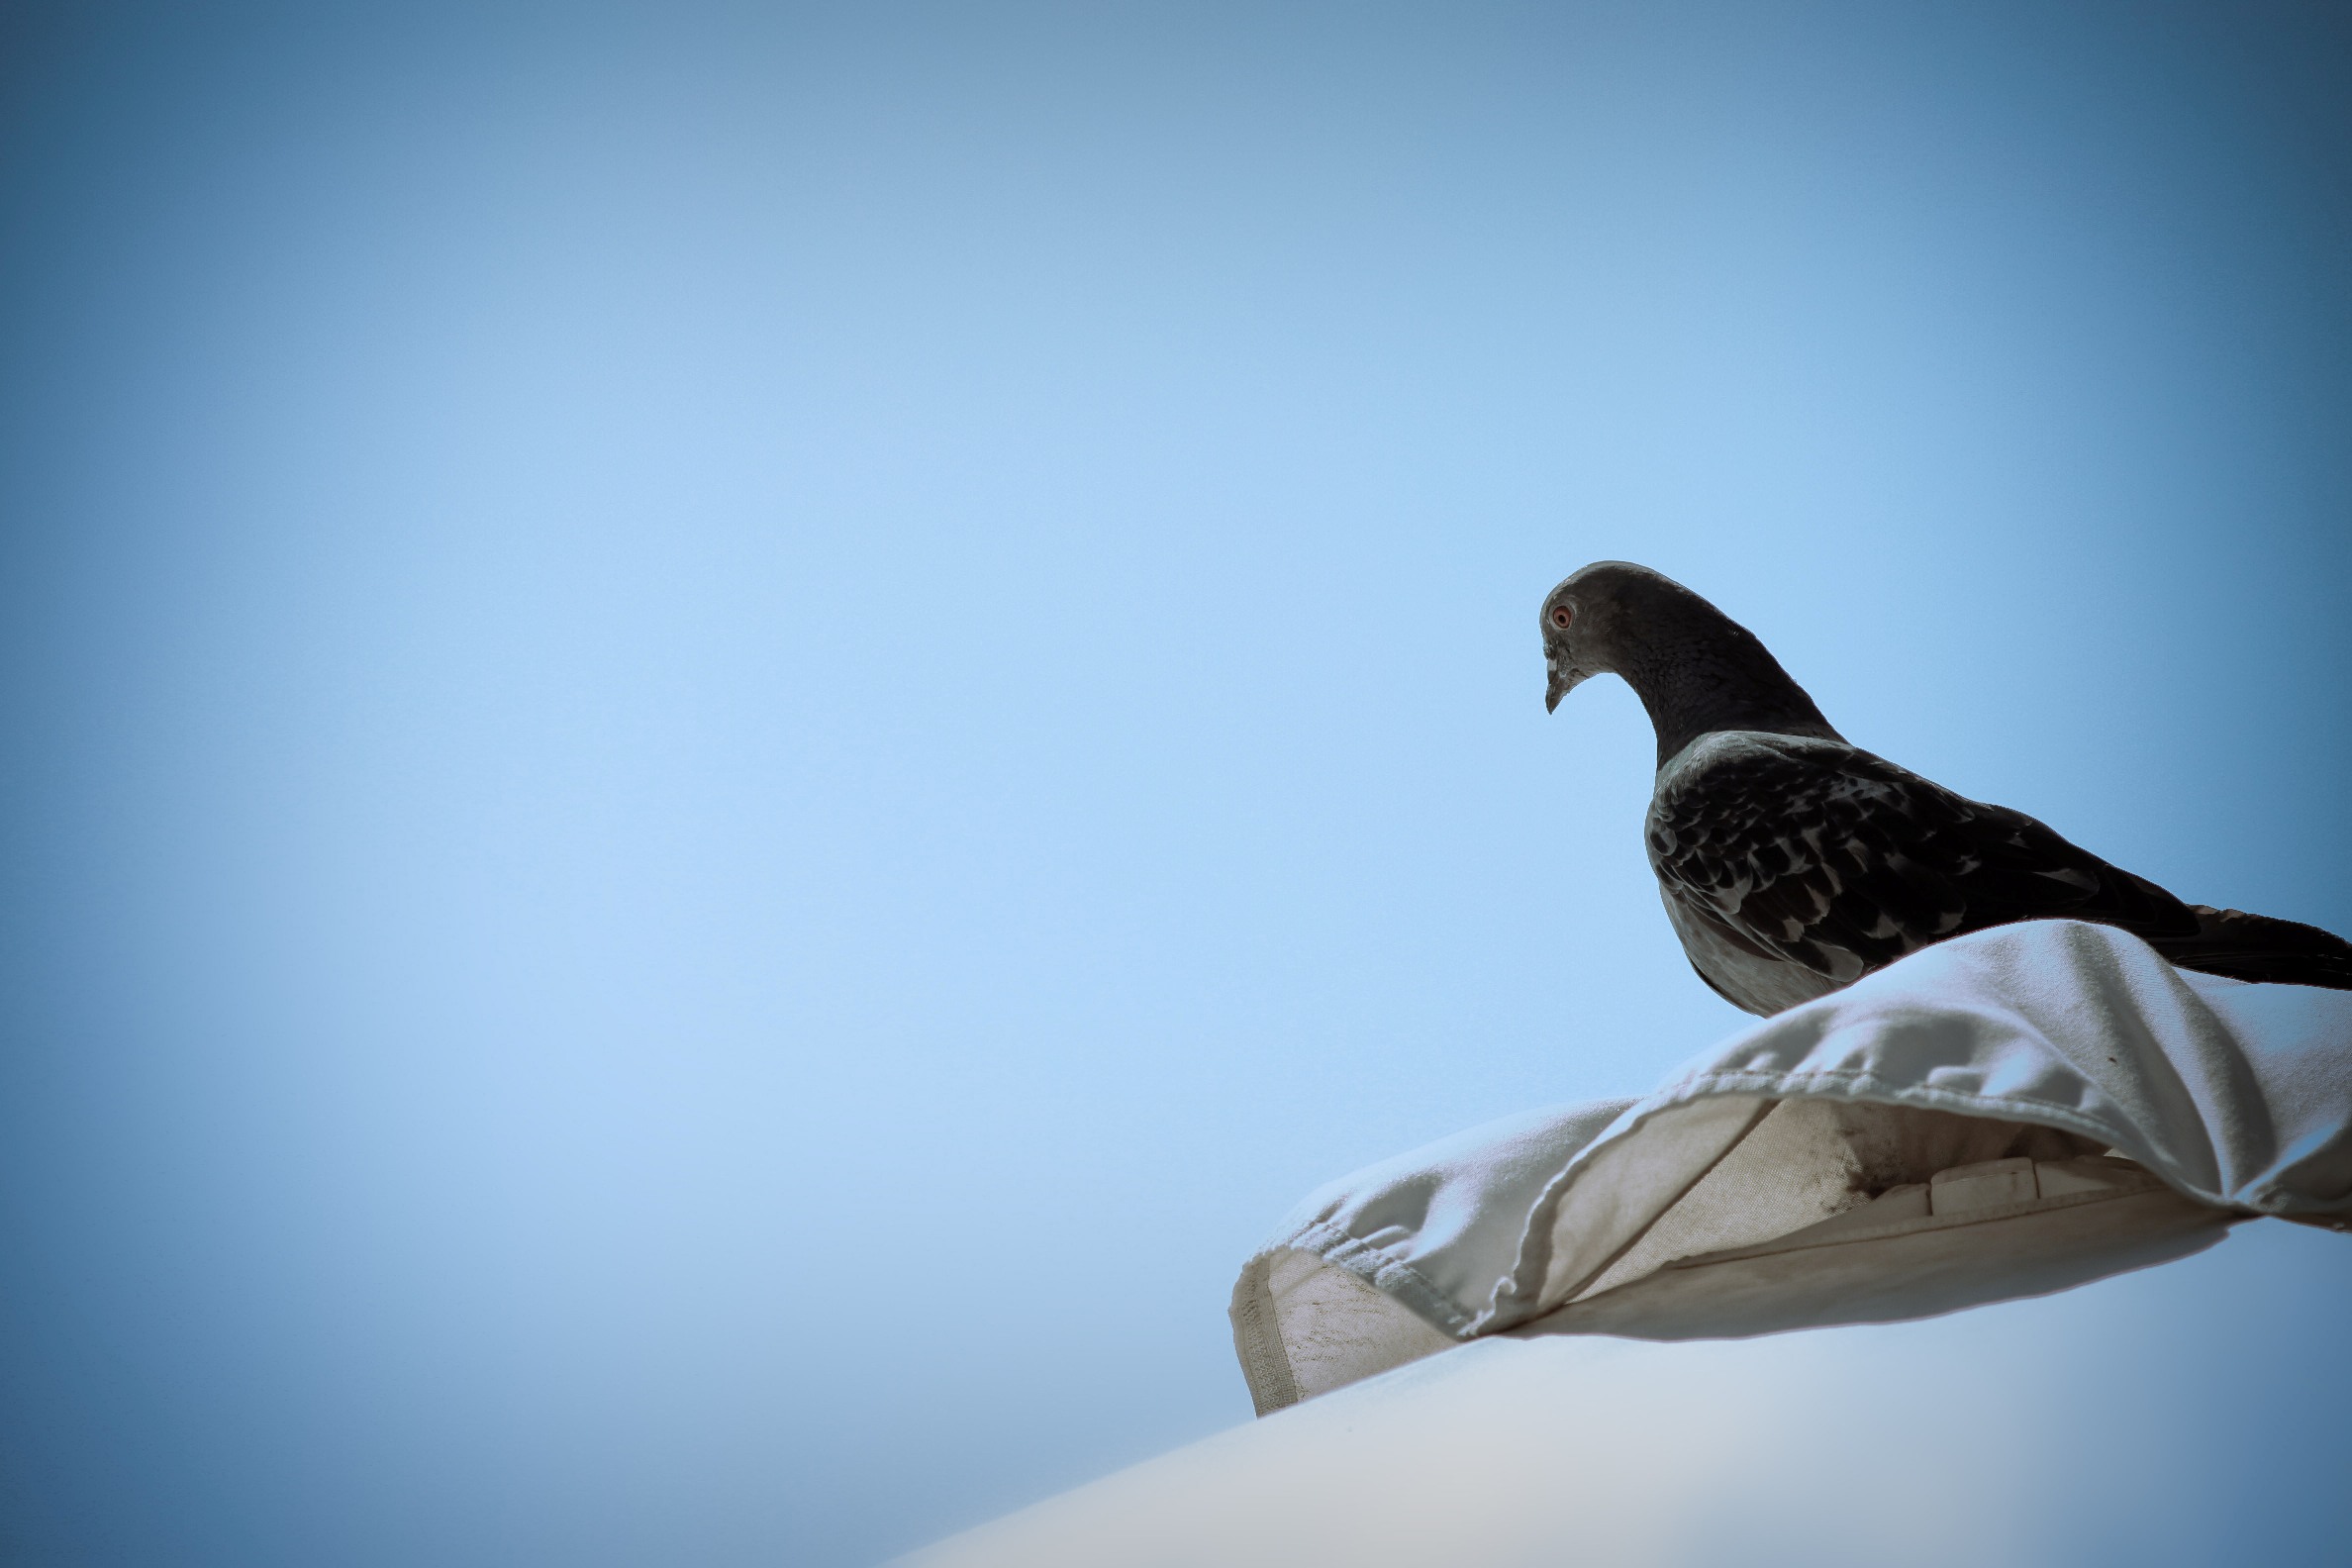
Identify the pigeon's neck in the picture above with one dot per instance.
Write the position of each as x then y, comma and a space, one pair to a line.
1708, 678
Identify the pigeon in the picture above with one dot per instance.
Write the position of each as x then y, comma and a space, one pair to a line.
1794, 862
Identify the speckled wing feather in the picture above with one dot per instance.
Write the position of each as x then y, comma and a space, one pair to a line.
1824, 857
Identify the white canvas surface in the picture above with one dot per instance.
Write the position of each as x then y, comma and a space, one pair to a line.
2170, 1418
2006, 1114
1984, 1125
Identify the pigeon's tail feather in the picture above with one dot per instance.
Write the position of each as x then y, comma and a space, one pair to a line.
2247, 947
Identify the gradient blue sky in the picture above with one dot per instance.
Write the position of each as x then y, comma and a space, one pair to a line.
734, 732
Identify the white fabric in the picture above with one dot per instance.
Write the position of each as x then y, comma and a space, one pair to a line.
2172, 1418
2041, 1043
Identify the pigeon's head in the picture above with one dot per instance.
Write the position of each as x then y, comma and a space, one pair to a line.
1695, 669
1592, 620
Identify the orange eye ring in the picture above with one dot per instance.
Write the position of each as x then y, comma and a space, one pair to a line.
1561, 616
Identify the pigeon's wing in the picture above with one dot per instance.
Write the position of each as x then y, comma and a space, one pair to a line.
1832, 858
2247, 947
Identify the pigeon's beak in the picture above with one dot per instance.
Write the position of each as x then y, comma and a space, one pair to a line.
1563, 679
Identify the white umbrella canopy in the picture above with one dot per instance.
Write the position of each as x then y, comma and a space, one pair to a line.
2109, 1423
1871, 1281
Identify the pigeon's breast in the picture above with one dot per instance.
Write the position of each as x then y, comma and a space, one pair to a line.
1734, 834
1751, 981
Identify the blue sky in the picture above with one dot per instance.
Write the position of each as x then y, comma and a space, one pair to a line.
736, 732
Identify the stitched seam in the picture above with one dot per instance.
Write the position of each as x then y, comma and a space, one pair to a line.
1392, 1276
1918, 1227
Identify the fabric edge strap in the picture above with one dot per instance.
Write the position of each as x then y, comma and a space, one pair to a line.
1257, 1340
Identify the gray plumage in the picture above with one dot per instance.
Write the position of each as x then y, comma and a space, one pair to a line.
1793, 863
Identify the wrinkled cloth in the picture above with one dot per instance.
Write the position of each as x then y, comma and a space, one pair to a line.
2236, 1096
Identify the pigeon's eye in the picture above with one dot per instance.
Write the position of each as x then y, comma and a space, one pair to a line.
1560, 617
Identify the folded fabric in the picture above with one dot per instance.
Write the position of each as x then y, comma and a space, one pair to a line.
2002, 1114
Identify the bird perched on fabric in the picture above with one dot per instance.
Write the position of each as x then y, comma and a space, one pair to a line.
1793, 863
